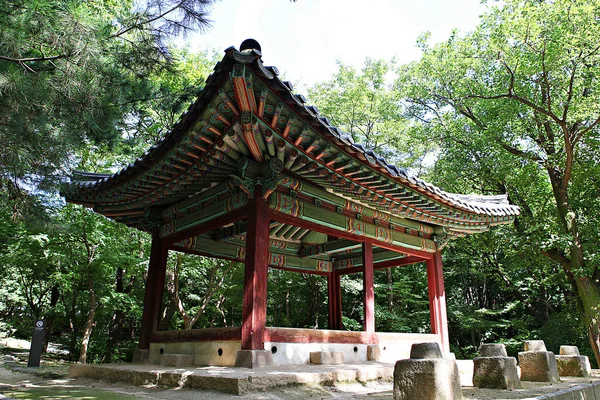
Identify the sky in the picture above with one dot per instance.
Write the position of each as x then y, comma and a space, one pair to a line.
305, 39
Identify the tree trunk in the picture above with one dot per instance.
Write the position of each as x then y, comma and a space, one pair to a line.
589, 293
50, 319
116, 326
73, 325
587, 289
390, 290
89, 324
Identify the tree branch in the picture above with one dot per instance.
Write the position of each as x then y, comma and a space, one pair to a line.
31, 59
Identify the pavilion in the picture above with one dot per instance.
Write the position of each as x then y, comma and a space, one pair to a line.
254, 174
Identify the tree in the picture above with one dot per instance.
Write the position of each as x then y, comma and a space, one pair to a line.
525, 82
365, 105
70, 74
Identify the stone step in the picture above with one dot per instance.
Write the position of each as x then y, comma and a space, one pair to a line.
177, 360
326, 357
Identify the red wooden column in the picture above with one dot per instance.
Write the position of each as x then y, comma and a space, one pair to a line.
254, 310
155, 286
437, 300
368, 290
334, 291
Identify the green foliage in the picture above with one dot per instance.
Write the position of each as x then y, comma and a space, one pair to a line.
72, 74
365, 105
512, 107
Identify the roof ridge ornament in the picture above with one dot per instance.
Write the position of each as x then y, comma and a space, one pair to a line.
250, 44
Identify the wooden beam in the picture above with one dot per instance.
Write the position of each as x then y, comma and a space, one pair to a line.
229, 218
288, 219
368, 290
398, 262
198, 335
331, 247
254, 309
155, 284
281, 254
295, 335
356, 260
437, 300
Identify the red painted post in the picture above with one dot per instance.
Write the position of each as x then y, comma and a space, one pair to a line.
368, 290
153, 295
334, 291
254, 309
437, 300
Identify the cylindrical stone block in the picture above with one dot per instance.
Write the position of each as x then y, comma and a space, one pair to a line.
534, 345
422, 351
492, 350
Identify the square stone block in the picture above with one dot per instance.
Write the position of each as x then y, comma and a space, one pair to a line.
573, 366
373, 352
141, 356
177, 360
538, 366
496, 373
427, 379
569, 351
326, 357
253, 358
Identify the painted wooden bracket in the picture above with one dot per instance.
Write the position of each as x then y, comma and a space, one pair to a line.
251, 174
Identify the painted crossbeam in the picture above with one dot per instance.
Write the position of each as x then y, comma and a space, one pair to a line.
279, 254
357, 261
332, 247
338, 224
202, 213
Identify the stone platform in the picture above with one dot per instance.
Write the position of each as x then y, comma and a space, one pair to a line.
233, 380
243, 381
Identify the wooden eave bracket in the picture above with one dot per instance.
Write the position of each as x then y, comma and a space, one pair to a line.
251, 174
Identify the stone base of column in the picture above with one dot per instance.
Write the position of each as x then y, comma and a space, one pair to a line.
496, 373
253, 358
426, 375
538, 366
573, 366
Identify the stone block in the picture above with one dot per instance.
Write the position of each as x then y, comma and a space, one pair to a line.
569, 351
538, 366
326, 357
373, 352
534, 345
492, 350
253, 358
427, 379
496, 373
573, 366
141, 356
177, 360
423, 351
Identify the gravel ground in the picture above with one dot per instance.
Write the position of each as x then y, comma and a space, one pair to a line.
50, 382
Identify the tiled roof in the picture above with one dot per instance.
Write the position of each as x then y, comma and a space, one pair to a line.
87, 188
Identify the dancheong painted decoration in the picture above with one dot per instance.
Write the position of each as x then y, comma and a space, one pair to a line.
253, 173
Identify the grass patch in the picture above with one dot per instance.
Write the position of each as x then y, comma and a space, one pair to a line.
65, 393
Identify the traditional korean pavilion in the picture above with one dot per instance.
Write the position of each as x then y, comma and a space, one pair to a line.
252, 173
